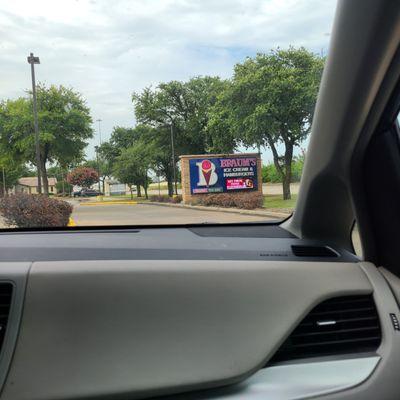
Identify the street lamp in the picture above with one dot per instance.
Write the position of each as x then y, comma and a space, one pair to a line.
96, 148
35, 60
97, 153
99, 121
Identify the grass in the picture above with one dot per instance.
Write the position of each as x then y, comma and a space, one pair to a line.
276, 201
163, 186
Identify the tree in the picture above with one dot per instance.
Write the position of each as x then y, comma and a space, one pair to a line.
64, 127
123, 139
186, 107
103, 166
132, 167
11, 170
83, 177
64, 187
271, 102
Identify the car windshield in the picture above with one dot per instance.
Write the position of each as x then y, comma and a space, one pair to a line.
156, 112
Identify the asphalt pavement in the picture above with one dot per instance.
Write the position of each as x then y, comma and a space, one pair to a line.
147, 214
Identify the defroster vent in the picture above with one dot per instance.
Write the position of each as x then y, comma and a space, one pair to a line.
340, 325
6, 290
313, 251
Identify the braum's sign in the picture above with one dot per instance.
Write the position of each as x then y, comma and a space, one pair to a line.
221, 175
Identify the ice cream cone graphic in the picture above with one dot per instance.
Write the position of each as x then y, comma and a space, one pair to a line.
206, 169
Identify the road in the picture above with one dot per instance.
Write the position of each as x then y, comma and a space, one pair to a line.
146, 214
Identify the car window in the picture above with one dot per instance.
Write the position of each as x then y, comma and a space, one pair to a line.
108, 113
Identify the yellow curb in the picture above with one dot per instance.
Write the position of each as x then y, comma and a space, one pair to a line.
107, 203
71, 222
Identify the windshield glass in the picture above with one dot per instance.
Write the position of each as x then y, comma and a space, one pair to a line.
156, 112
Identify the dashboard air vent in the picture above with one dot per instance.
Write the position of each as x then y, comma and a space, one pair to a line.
6, 290
340, 325
313, 251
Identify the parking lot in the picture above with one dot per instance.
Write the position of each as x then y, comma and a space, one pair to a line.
148, 214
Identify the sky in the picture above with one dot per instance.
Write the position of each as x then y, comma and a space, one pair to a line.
106, 50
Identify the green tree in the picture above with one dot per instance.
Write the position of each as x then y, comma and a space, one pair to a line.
103, 166
132, 167
186, 107
144, 137
271, 102
64, 127
10, 171
64, 187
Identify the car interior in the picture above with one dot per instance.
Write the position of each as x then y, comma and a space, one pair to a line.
274, 310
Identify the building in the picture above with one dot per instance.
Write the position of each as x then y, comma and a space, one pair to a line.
114, 188
29, 185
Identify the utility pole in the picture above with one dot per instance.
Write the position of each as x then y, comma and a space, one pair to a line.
173, 157
35, 60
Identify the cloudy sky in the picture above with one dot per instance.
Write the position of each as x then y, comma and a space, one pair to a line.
108, 49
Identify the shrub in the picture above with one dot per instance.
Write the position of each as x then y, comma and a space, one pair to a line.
64, 187
28, 211
158, 198
271, 175
246, 200
176, 199
166, 199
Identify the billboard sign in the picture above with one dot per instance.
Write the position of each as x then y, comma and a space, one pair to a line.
222, 175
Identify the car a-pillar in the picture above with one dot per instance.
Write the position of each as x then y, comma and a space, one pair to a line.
222, 174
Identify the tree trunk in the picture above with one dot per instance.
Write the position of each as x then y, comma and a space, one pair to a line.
45, 181
170, 187
103, 184
287, 178
145, 187
138, 191
130, 188
286, 188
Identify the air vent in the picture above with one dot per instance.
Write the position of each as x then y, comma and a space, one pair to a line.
5, 303
337, 326
313, 251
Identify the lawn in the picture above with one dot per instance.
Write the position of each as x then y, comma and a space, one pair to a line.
163, 186
276, 201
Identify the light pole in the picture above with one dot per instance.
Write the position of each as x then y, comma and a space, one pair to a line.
97, 154
99, 121
35, 60
173, 157
98, 164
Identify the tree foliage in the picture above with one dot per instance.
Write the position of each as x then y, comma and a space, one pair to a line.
186, 106
271, 102
64, 127
133, 164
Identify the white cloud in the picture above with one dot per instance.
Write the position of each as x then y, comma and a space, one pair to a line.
108, 49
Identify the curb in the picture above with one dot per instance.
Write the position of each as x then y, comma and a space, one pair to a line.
71, 222
271, 214
107, 203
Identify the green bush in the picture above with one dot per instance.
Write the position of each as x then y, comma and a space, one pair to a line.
245, 200
34, 211
60, 185
271, 175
